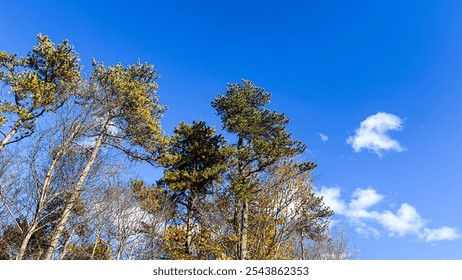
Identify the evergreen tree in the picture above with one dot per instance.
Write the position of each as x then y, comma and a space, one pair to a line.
194, 160
262, 140
38, 83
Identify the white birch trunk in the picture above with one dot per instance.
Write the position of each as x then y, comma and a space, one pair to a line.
60, 228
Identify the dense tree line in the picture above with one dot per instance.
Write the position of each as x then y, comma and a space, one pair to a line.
66, 141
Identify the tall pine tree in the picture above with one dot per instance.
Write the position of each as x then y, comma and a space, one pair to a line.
196, 158
262, 140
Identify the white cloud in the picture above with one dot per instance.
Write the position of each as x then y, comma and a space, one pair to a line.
405, 222
87, 143
368, 230
324, 138
364, 198
372, 134
332, 198
444, 233
113, 130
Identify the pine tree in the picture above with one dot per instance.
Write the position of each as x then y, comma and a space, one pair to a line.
262, 140
38, 83
194, 161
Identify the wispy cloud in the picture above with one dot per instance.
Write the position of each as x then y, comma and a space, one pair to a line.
324, 138
444, 233
372, 134
406, 221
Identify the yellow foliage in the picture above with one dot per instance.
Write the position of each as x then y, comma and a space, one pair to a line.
99, 250
204, 246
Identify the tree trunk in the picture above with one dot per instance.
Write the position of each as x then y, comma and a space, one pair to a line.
244, 229
66, 245
43, 193
60, 228
95, 246
120, 248
38, 210
189, 228
10, 135
237, 227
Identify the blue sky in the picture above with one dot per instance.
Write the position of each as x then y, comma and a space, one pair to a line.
372, 87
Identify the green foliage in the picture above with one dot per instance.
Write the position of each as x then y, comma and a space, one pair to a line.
126, 98
44, 78
39, 82
262, 135
195, 158
262, 141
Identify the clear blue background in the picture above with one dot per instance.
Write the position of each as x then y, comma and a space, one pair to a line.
328, 64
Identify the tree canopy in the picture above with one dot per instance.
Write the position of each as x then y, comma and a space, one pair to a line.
65, 192
37, 83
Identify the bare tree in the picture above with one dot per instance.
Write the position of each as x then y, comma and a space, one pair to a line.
285, 205
53, 161
337, 246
